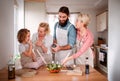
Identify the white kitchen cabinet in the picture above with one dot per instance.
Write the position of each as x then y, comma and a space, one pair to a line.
102, 21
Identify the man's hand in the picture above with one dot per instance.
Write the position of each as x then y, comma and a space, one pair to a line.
56, 49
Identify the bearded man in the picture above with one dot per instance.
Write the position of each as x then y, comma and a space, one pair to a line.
64, 36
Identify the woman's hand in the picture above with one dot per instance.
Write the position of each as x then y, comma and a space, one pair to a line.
64, 61
39, 43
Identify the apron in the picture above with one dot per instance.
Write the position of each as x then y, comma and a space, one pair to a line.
62, 39
89, 53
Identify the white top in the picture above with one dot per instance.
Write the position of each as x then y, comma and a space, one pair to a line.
24, 59
23, 47
48, 41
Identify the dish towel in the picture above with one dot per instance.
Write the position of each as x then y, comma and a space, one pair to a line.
101, 56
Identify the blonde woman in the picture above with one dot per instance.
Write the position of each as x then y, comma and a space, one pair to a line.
83, 42
42, 41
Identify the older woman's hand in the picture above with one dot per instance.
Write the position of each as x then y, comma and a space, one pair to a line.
64, 61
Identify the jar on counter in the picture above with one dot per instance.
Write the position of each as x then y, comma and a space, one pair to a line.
11, 69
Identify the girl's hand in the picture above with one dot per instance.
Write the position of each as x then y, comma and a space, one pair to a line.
30, 43
34, 58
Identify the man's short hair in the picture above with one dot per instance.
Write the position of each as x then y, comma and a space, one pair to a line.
64, 9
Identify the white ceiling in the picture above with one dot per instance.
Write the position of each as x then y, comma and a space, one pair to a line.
75, 5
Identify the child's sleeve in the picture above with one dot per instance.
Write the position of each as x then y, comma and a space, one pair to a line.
21, 49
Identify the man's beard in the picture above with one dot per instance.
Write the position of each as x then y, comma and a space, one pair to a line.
63, 24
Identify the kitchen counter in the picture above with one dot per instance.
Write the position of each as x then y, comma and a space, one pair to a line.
44, 75
105, 48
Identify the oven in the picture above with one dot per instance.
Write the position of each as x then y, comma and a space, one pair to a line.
104, 61
102, 58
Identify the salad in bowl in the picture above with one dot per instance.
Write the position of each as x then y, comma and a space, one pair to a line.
54, 68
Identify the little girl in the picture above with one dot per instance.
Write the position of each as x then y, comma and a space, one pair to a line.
28, 58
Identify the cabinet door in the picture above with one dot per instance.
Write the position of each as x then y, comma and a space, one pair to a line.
102, 22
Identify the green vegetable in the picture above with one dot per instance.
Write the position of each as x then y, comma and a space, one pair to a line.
55, 67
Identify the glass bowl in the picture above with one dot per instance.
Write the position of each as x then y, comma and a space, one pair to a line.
54, 68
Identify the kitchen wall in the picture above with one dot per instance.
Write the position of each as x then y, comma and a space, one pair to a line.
6, 31
8, 28
35, 12
114, 41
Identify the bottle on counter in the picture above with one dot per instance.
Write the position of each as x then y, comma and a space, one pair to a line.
11, 69
87, 66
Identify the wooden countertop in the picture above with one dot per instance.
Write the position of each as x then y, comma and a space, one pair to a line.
44, 75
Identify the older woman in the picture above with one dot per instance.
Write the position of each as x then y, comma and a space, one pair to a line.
84, 41
42, 41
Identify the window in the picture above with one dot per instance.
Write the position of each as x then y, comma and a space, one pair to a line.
15, 31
